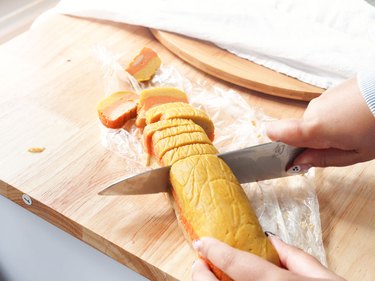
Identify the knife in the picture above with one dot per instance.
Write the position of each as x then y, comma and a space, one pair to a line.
255, 163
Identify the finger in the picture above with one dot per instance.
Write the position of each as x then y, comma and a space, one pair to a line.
233, 262
201, 272
288, 131
327, 157
299, 262
296, 132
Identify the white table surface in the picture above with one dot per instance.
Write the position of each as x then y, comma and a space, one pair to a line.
32, 249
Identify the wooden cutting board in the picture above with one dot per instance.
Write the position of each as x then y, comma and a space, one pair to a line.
224, 65
50, 84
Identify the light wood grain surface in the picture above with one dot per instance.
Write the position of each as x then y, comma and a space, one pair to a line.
50, 84
222, 64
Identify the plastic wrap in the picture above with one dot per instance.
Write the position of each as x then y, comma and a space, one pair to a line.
287, 207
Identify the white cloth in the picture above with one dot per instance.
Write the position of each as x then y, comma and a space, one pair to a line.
321, 42
366, 84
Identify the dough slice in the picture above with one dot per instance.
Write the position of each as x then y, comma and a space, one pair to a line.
185, 111
144, 66
156, 96
174, 131
172, 156
154, 114
117, 108
150, 129
166, 144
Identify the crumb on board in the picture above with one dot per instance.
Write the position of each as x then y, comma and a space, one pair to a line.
36, 149
254, 123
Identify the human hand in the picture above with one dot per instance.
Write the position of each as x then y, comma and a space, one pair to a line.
243, 266
337, 128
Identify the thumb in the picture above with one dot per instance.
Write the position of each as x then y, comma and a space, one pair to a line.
201, 272
297, 261
327, 157
303, 134
237, 264
289, 131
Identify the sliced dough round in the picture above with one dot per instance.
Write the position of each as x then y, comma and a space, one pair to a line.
172, 156
181, 111
150, 130
166, 144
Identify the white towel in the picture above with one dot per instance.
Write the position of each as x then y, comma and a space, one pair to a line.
321, 42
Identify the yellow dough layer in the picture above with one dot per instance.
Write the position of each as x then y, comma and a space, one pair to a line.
172, 156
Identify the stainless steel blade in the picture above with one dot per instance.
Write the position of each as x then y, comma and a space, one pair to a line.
255, 163
152, 181
261, 162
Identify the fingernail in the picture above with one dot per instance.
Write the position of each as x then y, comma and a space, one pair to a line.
197, 245
269, 234
299, 169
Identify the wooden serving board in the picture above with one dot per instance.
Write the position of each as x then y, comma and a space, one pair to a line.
222, 64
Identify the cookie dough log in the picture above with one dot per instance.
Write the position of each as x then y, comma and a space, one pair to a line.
210, 202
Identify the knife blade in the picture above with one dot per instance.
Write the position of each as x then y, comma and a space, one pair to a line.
255, 163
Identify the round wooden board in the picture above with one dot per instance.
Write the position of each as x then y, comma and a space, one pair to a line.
224, 65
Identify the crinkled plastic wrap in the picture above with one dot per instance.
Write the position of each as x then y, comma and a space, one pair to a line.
287, 207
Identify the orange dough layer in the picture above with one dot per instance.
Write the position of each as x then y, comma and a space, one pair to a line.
144, 65
157, 96
117, 108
